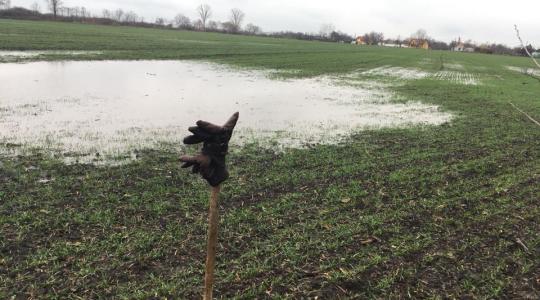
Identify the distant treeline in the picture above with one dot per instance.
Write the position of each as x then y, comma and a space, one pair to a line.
120, 17
21, 13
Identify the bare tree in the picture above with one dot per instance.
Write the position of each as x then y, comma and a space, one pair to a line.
106, 14
228, 27
205, 12
131, 17
236, 19
160, 21
35, 7
5, 4
420, 34
213, 25
55, 6
198, 25
526, 48
118, 15
326, 30
253, 29
399, 42
373, 38
85, 13
182, 21
75, 12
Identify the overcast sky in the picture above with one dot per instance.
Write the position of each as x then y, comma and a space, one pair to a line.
478, 20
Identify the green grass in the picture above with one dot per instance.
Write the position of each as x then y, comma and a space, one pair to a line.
423, 212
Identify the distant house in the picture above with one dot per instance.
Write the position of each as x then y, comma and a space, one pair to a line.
420, 44
359, 41
468, 49
460, 46
536, 54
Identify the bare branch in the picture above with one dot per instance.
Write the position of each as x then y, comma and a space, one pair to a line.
525, 47
527, 115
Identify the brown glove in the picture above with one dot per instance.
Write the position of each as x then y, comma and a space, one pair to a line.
210, 163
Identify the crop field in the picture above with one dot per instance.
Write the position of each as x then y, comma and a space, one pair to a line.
435, 209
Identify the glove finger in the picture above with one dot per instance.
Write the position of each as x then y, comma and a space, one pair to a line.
199, 159
231, 123
188, 159
209, 127
200, 131
193, 139
197, 130
187, 165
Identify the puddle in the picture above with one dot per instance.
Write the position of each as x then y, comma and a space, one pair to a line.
400, 73
8, 56
425, 61
457, 77
87, 110
454, 66
397, 72
524, 70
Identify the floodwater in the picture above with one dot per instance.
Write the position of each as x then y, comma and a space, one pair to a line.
12, 56
397, 72
529, 71
84, 110
400, 73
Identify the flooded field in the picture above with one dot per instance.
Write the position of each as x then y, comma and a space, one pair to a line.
88, 111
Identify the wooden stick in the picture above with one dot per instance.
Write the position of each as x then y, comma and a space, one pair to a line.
213, 219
